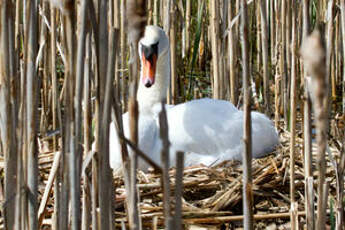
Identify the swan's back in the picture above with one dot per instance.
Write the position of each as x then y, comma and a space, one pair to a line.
211, 130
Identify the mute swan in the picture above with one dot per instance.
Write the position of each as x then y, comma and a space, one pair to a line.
207, 130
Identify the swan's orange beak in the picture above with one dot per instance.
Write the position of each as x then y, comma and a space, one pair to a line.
149, 69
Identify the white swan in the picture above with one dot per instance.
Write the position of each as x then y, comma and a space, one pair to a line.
207, 130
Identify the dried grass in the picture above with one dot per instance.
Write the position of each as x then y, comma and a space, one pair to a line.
212, 196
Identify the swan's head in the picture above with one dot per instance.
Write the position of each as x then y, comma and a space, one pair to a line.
152, 47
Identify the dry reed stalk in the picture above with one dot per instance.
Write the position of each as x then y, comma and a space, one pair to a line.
31, 111
294, 218
288, 48
264, 38
47, 191
173, 47
313, 53
214, 24
106, 176
178, 191
155, 12
8, 117
282, 63
76, 153
342, 14
309, 201
277, 55
70, 182
86, 193
329, 49
165, 158
340, 191
232, 40
247, 140
187, 26
150, 12
131, 190
136, 12
272, 29
124, 86
117, 25
276, 100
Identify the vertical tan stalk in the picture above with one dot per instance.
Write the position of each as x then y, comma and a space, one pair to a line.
247, 138
165, 180
232, 56
106, 176
277, 55
214, 22
150, 12
276, 99
155, 12
31, 110
294, 217
123, 53
179, 190
272, 25
76, 152
282, 62
8, 120
264, 38
187, 28
172, 36
309, 203
86, 207
313, 53
136, 12
117, 25
55, 109
342, 14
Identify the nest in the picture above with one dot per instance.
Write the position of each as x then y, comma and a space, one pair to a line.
212, 196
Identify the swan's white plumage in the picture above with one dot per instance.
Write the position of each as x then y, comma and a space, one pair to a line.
208, 131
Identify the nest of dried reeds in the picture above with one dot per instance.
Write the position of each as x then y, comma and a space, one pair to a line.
212, 196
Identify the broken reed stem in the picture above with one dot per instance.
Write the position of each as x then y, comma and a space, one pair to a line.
48, 188
247, 138
313, 53
178, 190
133, 123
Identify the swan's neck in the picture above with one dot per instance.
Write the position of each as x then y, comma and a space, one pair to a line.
147, 97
